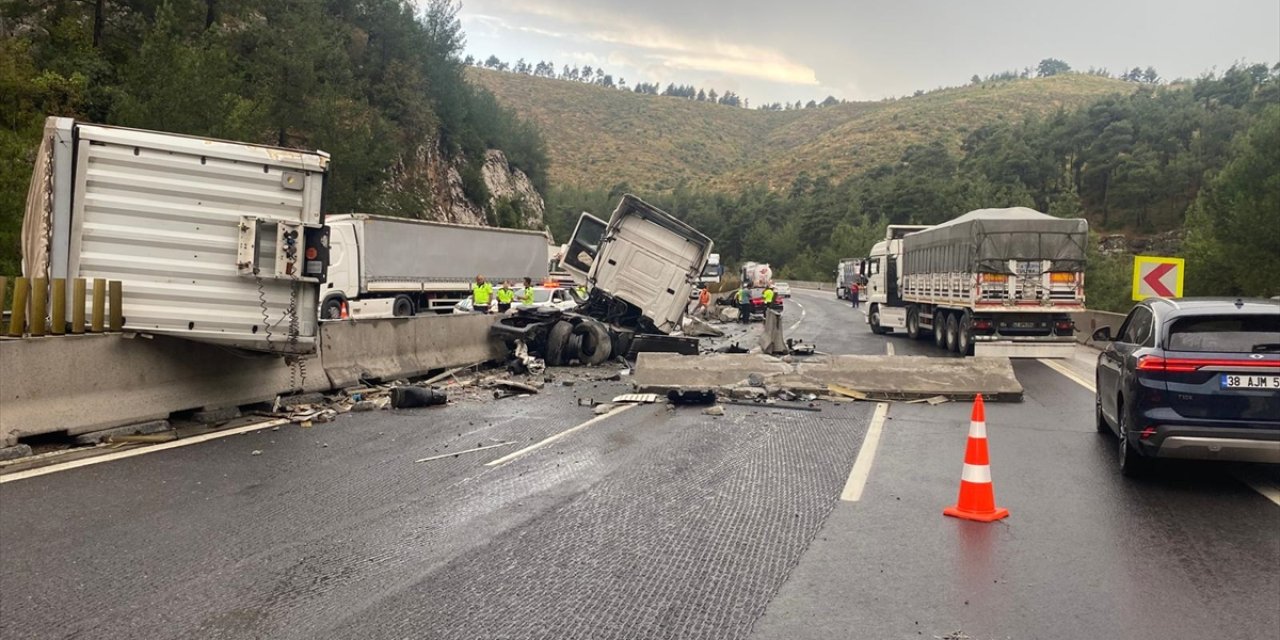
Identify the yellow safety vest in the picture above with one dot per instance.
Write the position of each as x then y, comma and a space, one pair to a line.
768, 296
505, 295
481, 293
527, 297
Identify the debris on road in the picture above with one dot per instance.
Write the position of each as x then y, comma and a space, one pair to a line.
691, 396
458, 453
516, 386
715, 410
696, 328
643, 398
410, 397
846, 392
762, 404
256, 452
602, 409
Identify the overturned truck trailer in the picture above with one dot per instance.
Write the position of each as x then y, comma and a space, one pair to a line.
640, 268
213, 241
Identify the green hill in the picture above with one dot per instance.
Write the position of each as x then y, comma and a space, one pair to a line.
600, 137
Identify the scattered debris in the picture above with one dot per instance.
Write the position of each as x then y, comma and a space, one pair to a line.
617, 376
602, 409
448, 374
409, 397
787, 395
747, 393
691, 396
517, 386
846, 392
645, 398
714, 410
732, 347
256, 452
699, 329
935, 400
458, 453
586, 402
800, 347
773, 405
755, 380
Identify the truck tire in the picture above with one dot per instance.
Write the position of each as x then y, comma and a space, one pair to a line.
596, 345
953, 331
940, 329
558, 343
964, 338
913, 322
874, 320
332, 308
402, 307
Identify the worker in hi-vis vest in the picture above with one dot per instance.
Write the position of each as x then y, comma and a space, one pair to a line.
744, 304
768, 295
505, 295
526, 296
481, 295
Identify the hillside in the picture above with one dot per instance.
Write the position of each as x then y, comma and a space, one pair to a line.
600, 137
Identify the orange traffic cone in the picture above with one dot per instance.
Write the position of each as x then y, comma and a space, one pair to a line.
344, 311
977, 497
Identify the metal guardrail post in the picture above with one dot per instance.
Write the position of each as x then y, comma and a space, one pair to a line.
97, 322
58, 318
39, 304
78, 301
18, 318
116, 310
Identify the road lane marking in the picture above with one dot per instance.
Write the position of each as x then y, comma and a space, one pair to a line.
538, 445
1254, 480
458, 453
1071, 375
888, 348
118, 455
866, 455
797, 323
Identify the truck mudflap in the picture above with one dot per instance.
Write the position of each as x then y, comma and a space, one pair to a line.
1021, 349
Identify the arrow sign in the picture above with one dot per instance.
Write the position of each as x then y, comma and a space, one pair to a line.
1156, 276
1154, 279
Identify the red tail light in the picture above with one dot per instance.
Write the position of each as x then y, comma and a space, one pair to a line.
1147, 433
1184, 365
982, 324
1064, 324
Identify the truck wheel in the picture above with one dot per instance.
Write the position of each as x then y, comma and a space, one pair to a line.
332, 308
940, 329
953, 331
964, 339
874, 321
402, 307
558, 343
913, 322
596, 347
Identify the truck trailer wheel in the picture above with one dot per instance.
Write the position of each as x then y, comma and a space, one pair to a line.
874, 321
940, 329
964, 338
558, 343
913, 322
332, 308
596, 345
402, 307
953, 331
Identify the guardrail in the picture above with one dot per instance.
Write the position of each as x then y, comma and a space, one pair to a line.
40, 306
807, 284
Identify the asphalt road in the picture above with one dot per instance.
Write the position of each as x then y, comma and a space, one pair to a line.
646, 524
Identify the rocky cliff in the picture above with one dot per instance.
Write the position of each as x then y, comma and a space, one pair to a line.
433, 186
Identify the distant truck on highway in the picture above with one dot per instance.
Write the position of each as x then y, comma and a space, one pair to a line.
756, 274
212, 241
849, 271
713, 272
381, 266
990, 282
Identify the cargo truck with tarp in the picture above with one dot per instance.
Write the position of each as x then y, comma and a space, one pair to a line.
990, 282
214, 241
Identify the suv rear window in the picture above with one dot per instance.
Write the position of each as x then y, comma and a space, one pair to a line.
1226, 334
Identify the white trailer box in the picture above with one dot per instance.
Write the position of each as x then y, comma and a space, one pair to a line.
416, 265
213, 241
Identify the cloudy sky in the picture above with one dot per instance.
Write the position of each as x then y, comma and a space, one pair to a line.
857, 49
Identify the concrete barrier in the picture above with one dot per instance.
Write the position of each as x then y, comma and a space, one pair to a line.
402, 347
79, 384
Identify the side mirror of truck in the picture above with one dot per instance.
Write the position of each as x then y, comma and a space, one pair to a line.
1102, 335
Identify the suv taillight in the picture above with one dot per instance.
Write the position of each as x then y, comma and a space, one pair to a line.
1184, 365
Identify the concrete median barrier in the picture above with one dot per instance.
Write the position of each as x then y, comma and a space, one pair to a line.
878, 377
81, 384
391, 348
1089, 321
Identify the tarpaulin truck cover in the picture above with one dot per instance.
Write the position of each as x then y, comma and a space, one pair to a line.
985, 240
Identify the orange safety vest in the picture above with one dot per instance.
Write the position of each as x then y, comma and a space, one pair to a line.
704, 297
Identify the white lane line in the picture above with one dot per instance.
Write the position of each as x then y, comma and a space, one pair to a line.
538, 445
888, 348
866, 455
1254, 480
797, 323
1071, 375
75, 464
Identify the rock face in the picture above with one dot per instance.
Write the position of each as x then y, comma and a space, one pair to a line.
434, 186
1167, 243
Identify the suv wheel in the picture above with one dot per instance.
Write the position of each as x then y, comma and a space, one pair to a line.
1099, 420
1132, 464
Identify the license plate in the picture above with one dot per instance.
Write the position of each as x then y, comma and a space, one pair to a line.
1235, 381
1023, 325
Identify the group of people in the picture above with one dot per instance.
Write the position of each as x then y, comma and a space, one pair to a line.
483, 295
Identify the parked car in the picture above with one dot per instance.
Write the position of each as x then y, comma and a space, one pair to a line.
1192, 378
782, 289
556, 297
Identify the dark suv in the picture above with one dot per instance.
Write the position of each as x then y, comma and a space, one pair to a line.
1192, 378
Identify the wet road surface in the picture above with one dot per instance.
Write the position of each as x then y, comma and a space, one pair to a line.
647, 524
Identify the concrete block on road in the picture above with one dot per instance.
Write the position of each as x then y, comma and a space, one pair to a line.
880, 377
141, 428
393, 348
15, 452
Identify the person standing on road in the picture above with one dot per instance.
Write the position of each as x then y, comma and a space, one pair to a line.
704, 302
526, 296
744, 304
481, 294
768, 296
854, 290
506, 295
